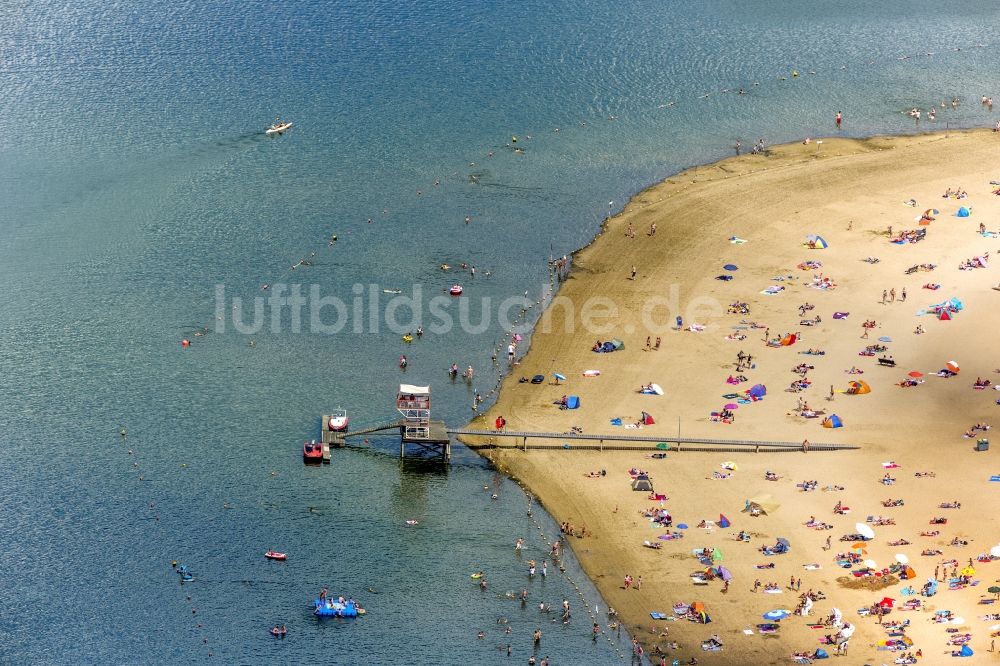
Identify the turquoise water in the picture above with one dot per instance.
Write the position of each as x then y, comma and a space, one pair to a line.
135, 178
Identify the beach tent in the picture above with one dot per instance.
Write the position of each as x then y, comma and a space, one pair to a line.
612, 345
716, 555
642, 483
964, 211
788, 340
758, 391
944, 316
573, 402
647, 419
817, 242
821, 654
966, 651
858, 388
833, 421
723, 521
764, 504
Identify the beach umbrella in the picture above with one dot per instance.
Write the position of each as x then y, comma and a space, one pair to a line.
968, 571
993, 589
864, 530
731, 405
995, 551
858, 544
871, 564
776, 614
915, 374
725, 574
953, 366
731, 267
682, 526
902, 559
887, 602
859, 549
560, 378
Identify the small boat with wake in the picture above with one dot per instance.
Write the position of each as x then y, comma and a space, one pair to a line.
456, 290
278, 128
275, 555
312, 452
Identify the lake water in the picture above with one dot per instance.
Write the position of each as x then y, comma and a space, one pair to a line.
137, 183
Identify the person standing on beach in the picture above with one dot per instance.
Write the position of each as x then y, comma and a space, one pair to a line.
885, 296
638, 582
652, 229
892, 295
902, 296
633, 273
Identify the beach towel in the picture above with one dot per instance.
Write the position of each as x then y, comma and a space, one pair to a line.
841, 315
737, 241
616, 421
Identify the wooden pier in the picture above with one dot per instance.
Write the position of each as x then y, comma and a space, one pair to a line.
436, 440
416, 428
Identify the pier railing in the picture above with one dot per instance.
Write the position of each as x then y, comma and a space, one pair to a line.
612, 442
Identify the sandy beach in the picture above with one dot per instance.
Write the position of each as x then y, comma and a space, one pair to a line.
849, 193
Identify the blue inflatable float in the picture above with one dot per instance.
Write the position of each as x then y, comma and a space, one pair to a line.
333, 608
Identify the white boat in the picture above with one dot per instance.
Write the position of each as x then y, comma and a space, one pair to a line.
338, 420
278, 128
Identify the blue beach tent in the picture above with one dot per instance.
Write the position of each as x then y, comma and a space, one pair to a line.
573, 402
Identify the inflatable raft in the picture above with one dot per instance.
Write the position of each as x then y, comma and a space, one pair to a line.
334, 608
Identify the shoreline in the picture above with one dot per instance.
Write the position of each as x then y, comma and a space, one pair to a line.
696, 209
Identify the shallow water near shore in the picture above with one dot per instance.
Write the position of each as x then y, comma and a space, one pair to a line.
136, 178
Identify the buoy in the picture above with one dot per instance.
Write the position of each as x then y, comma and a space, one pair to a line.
185, 343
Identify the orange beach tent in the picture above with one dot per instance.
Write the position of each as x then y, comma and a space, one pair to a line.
858, 388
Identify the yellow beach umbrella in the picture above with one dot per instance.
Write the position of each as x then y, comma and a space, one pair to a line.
968, 571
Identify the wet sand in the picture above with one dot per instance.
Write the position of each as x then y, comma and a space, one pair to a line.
849, 192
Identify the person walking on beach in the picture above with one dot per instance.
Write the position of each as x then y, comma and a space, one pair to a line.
885, 296
510, 353
892, 295
652, 229
633, 273
638, 582
902, 295
839, 119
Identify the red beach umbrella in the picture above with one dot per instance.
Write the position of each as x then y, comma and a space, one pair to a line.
916, 375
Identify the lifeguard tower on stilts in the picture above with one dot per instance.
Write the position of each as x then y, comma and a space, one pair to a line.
416, 426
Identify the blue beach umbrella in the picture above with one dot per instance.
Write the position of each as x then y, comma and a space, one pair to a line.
731, 267
682, 526
558, 376
777, 614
